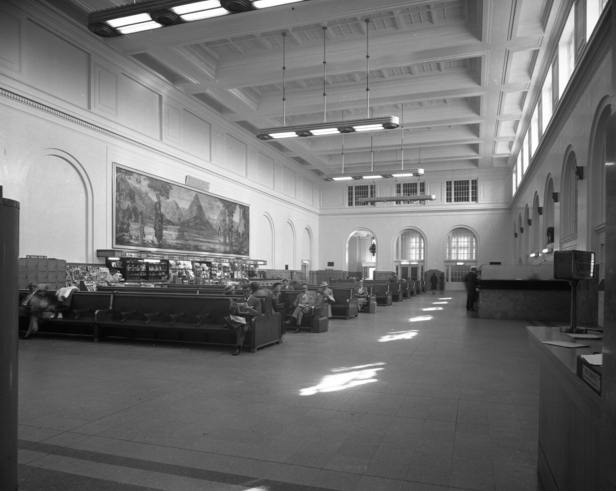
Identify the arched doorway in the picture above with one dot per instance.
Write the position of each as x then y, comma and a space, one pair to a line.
461, 255
360, 254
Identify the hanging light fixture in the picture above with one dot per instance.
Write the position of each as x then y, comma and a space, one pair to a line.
336, 127
153, 14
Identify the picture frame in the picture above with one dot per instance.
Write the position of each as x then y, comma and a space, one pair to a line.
158, 215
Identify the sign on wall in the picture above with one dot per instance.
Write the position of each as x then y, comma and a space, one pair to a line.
151, 213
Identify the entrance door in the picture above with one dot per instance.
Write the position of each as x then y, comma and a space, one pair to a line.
454, 275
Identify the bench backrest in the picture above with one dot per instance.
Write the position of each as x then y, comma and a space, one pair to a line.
343, 294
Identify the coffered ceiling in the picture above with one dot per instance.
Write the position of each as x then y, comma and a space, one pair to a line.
463, 72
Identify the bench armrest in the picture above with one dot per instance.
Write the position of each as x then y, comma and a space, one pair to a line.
126, 315
149, 316
103, 315
174, 317
78, 312
200, 319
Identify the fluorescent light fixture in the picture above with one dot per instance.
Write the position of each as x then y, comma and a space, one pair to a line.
460, 264
204, 14
325, 131
331, 128
386, 175
151, 260
144, 26
548, 250
372, 127
113, 258
414, 262
288, 134
129, 20
195, 7
384, 199
533, 254
264, 4
136, 16
414, 172
372, 177
343, 178
609, 163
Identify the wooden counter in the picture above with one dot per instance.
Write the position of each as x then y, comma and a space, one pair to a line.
569, 415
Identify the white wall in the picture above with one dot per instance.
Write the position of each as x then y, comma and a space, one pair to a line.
70, 109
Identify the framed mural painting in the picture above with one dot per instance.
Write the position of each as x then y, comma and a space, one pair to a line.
154, 214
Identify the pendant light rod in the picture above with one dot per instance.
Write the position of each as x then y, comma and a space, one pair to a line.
342, 118
367, 21
284, 69
324, 77
372, 150
402, 138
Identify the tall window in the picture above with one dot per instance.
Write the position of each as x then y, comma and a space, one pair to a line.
525, 155
594, 8
410, 246
514, 179
363, 191
462, 191
411, 189
534, 131
546, 101
519, 168
566, 53
461, 245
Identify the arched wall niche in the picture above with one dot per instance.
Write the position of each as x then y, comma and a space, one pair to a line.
568, 201
268, 244
289, 243
549, 229
57, 211
536, 225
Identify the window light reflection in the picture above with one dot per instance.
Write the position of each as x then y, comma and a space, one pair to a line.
421, 318
432, 308
345, 379
396, 336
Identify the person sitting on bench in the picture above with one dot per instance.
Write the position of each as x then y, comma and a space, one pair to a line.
363, 295
251, 308
304, 304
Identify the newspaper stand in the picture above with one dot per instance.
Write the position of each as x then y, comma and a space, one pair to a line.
574, 266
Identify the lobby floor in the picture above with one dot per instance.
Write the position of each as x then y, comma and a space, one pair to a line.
421, 396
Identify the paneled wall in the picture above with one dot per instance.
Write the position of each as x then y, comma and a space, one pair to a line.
70, 108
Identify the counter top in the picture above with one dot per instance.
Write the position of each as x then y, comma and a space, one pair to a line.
524, 285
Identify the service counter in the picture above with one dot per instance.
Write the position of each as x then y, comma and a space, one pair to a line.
569, 415
540, 300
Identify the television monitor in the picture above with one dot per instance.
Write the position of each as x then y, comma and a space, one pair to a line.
574, 265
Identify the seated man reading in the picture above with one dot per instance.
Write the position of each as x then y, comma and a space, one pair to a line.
251, 308
304, 303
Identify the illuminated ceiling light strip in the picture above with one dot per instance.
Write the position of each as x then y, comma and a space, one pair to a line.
144, 26
382, 174
165, 13
385, 199
372, 124
372, 177
290, 134
129, 20
195, 7
264, 4
342, 178
204, 14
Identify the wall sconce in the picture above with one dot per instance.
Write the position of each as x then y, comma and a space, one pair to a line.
579, 172
372, 248
521, 230
515, 234
530, 222
540, 210
555, 197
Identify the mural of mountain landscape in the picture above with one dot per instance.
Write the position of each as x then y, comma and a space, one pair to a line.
154, 214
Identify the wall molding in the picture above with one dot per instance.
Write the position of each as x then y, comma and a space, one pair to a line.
39, 106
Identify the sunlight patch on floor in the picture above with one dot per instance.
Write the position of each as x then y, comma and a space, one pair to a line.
421, 318
345, 379
439, 303
432, 308
396, 336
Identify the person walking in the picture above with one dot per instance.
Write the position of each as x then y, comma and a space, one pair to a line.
471, 281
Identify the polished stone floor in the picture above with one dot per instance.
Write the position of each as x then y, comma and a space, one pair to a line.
421, 396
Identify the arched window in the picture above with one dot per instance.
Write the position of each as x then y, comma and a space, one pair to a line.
461, 245
536, 226
569, 202
410, 246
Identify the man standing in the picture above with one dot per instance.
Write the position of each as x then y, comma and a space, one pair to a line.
328, 297
433, 283
471, 281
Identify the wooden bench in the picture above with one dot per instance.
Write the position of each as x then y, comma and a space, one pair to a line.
382, 293
197, 318
317, 320
346, 304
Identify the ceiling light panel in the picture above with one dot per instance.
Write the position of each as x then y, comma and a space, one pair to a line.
129, 20
195, 7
